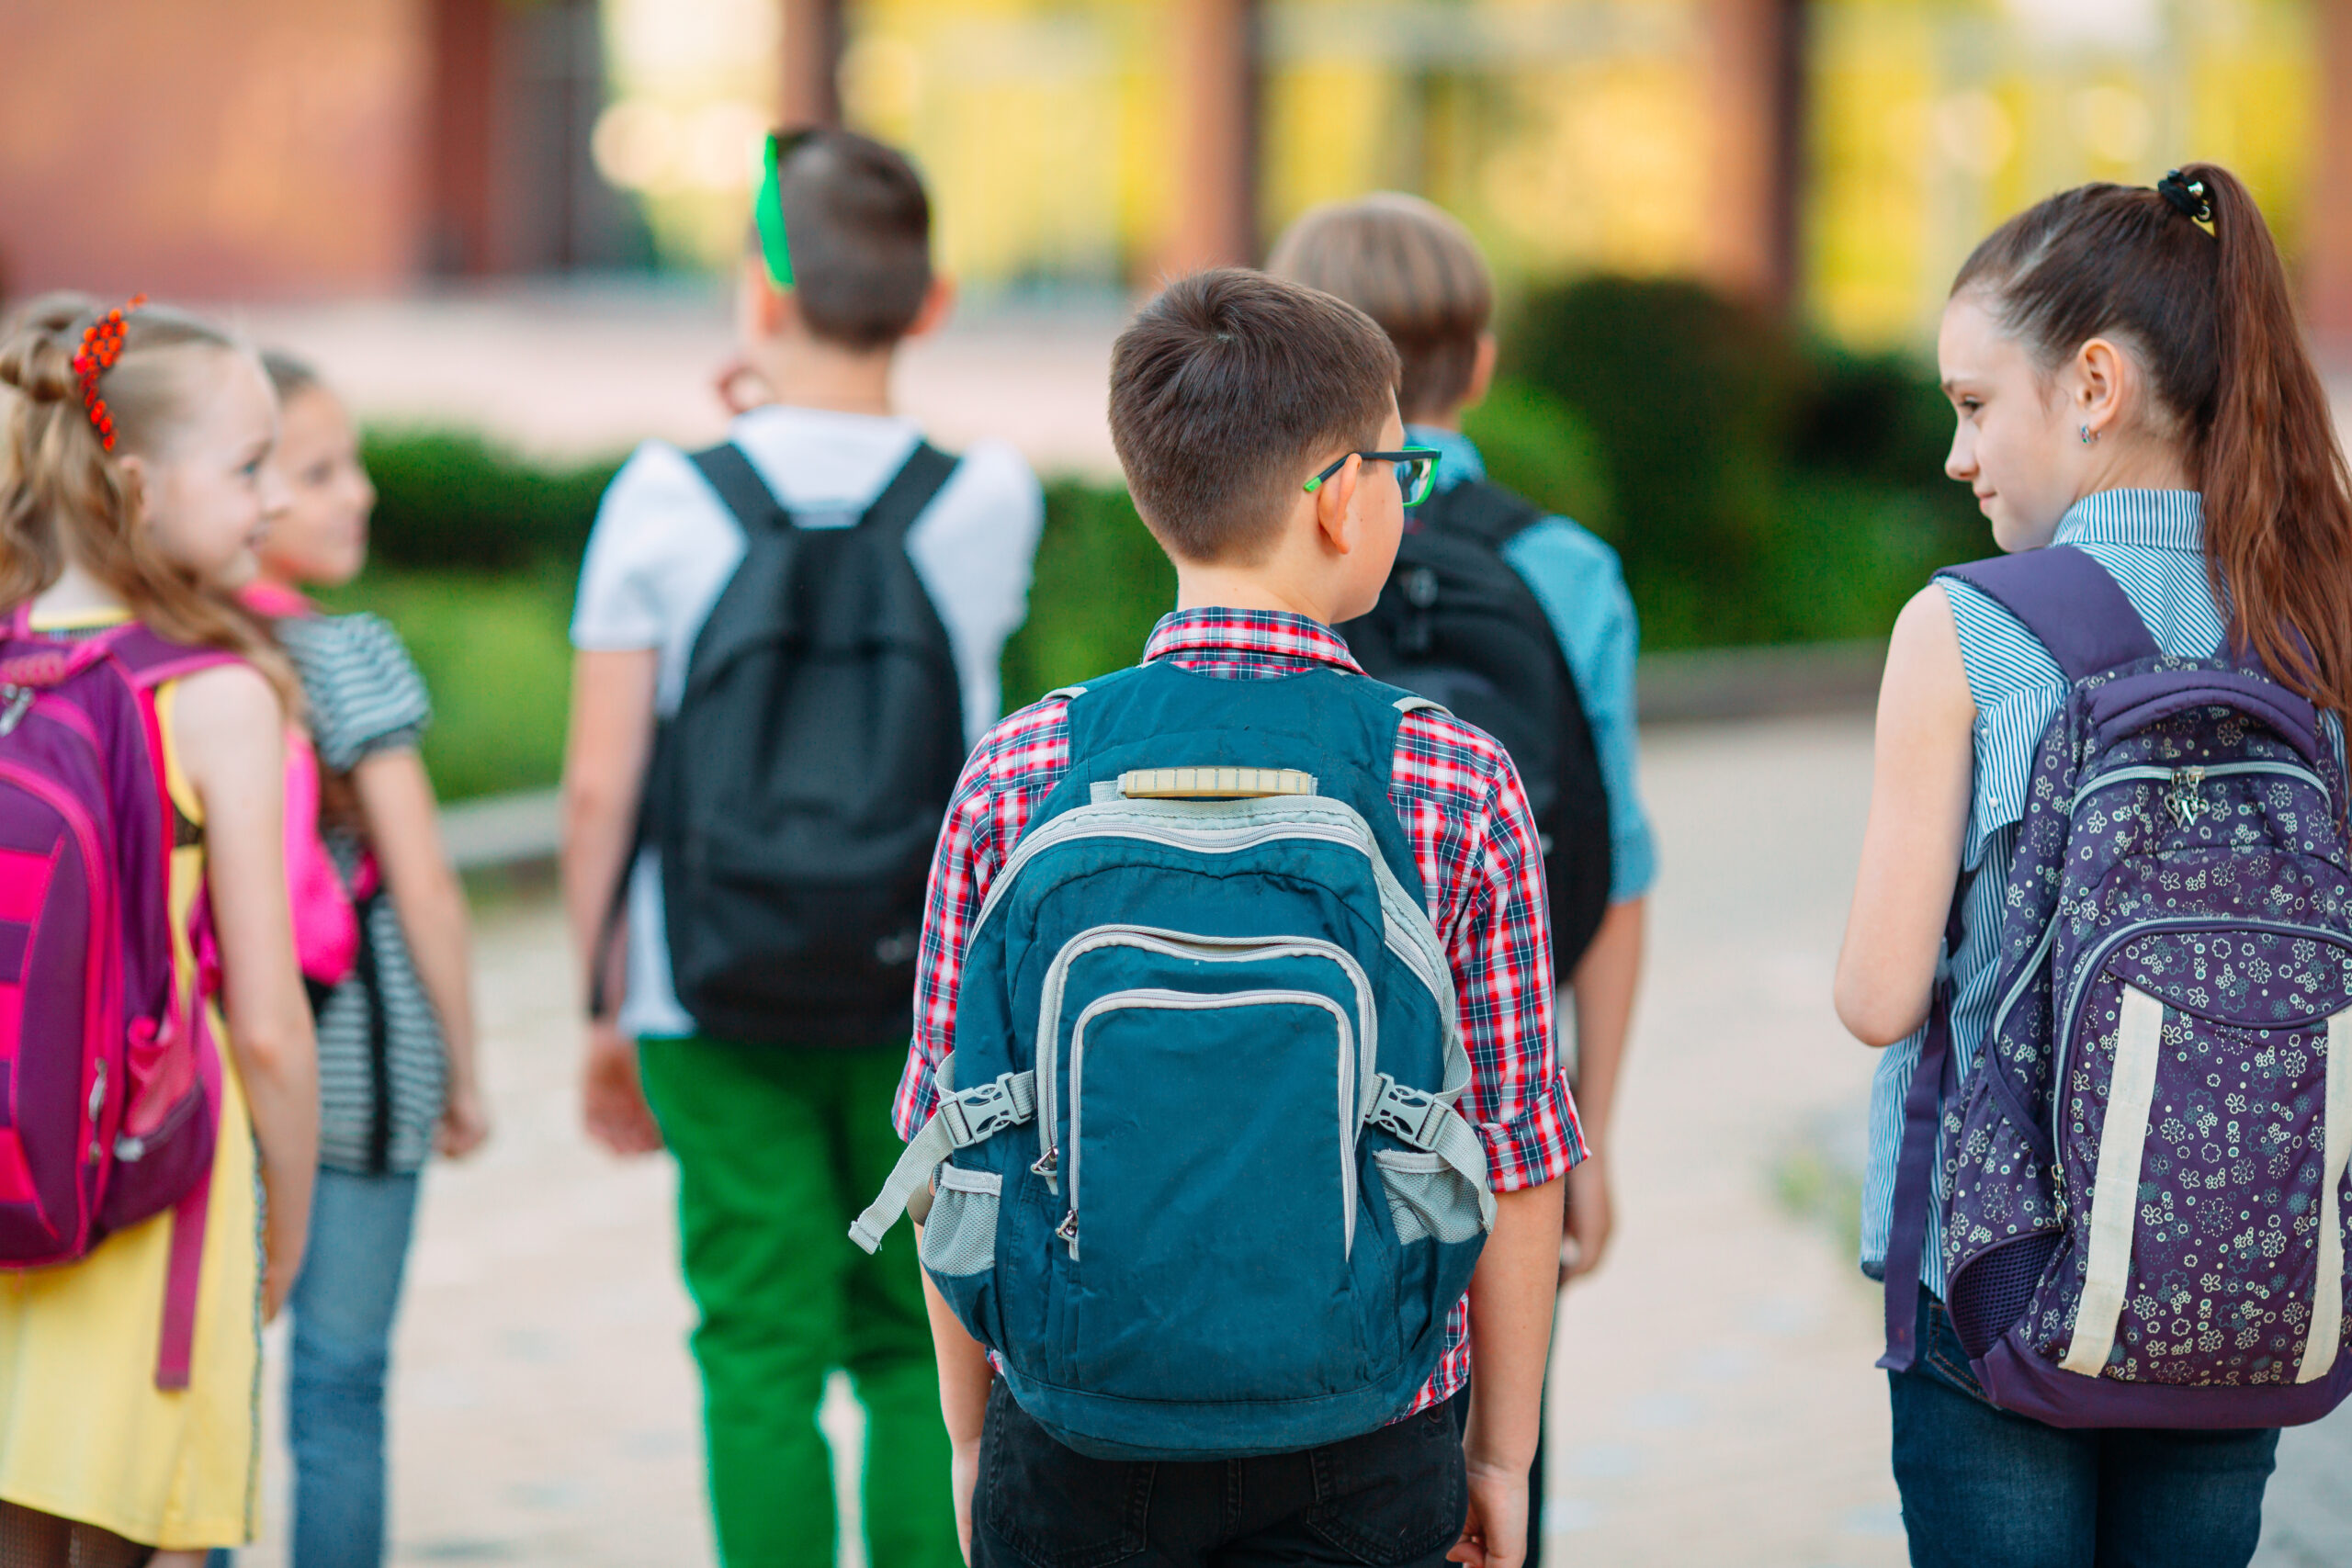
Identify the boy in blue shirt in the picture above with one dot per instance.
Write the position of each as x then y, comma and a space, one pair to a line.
1414, 269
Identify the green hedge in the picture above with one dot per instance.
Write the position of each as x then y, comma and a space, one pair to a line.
1759, 487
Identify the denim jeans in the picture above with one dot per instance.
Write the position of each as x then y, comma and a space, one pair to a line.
343, 1307
1395, 1497
1982, 1486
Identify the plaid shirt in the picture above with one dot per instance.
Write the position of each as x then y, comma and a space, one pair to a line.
1463, 811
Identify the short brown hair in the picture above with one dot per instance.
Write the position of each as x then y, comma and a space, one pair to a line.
1412, 267
859, 225
1224, 389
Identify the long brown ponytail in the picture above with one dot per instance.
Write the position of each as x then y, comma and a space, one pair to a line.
62, 489
2213, 319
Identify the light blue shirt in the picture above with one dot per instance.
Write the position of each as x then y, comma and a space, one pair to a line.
2152, 542
1578, 581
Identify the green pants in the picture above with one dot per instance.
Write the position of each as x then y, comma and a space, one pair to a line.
778, 1149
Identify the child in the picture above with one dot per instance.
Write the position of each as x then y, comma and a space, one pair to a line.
1414, 269
2136, 412
135, 489
396, 1040
770, 1066
1257, 423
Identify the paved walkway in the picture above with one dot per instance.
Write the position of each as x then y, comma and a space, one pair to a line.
1712, 1394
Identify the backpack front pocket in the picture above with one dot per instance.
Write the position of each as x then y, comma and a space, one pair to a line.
1212, 1194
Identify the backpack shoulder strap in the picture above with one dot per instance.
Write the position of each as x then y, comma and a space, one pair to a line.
152, 658
2069, 603
740, 488
914, 487
1481, 509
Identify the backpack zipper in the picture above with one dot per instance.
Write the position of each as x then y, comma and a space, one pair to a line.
1405, 923
1175, 944
2192, 775
1158, 997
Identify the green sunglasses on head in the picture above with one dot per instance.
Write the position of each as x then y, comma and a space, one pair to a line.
1416, 468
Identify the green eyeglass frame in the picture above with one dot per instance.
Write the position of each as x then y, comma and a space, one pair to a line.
767, 206
1414, 467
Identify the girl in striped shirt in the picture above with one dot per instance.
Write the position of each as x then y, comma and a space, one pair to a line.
2130, 380
396, 1036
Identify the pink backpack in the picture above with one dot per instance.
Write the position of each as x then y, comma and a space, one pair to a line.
326, 924
109, 1078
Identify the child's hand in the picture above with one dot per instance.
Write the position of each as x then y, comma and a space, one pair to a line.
1494, 1534
465, 1123
612, 1101
1589, 1221
964, 1480
740, 388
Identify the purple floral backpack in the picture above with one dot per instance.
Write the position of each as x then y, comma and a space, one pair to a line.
109, 1082
2146, 1162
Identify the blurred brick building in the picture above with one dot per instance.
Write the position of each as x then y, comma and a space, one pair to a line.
260, 149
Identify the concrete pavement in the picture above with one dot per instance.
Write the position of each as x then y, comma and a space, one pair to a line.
1713, 1397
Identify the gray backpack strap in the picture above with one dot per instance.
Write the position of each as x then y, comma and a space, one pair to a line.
1431, 1124
963, 1119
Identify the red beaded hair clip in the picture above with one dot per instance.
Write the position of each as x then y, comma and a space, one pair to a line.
101, 346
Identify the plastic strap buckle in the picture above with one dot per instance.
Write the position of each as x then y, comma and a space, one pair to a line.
1414, 1115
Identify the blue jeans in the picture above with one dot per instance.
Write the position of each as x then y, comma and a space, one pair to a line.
343, 1307
1982, 1486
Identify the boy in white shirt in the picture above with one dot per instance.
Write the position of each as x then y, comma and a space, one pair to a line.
780, 1121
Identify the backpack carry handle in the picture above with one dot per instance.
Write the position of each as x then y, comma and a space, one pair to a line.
1214, 783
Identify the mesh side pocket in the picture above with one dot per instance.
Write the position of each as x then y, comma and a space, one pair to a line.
1427, 1199
959, 1237
1995, 1289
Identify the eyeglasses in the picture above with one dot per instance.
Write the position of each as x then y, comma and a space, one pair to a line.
1415, 469
767, 206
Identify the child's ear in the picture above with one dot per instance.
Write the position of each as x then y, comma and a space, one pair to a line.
938, 304
1335, 507
1482, 372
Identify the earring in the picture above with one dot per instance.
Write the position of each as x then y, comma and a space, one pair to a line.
2089, 436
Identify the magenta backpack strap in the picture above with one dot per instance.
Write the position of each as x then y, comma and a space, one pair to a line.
183, 1277
2069, 603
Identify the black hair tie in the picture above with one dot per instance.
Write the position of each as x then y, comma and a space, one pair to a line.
2188, 197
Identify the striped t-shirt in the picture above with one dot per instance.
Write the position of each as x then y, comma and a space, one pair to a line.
2152, 542
365, 696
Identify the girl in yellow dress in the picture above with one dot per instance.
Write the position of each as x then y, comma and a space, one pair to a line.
98, 1465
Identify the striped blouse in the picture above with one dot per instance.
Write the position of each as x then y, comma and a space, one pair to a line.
377, 1110
2152, 542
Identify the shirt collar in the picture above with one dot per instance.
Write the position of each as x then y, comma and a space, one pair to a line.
1264, 633
2154, 519
1458, 461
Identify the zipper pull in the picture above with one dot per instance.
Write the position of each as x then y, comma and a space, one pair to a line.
1049, 1165
19, 699
1067, 1230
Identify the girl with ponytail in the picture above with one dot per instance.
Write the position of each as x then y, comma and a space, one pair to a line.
134, 482
2129, 379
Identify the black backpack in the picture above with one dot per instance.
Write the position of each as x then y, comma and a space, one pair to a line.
796, 793
1456, 624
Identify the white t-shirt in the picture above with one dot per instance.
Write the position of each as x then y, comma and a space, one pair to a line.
664, 546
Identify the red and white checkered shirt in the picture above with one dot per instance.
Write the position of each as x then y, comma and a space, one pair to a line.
1474, 841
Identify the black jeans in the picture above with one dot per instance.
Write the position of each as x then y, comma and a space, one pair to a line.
1982, 1486
1394, 1499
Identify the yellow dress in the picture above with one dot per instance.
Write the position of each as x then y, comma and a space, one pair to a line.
85, 1433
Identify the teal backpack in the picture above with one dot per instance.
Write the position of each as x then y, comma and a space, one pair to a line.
1204, 1188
